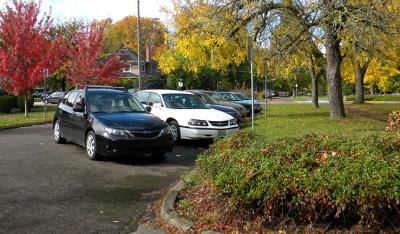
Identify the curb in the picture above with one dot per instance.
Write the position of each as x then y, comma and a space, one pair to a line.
168, 213
24, 125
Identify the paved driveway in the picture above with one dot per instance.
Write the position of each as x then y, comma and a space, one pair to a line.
49, 188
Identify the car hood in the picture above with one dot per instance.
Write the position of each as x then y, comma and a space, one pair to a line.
246, 102
130, 121
232, 104
184, 115
222, 108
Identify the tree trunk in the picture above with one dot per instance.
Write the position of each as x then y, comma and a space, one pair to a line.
314, 86
26, 106
333, 61
359, 73
372, 90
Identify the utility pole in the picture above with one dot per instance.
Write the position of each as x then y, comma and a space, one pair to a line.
45, 74
138, 38
266, 90
250, 58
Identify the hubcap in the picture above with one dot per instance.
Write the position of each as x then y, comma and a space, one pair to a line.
90, 145
56, 131
174, 132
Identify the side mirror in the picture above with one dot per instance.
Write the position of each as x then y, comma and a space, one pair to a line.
157, 105
78, 108
148, 109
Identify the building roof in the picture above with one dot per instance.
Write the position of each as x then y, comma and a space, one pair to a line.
131, 56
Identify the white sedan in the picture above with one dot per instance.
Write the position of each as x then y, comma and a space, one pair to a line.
188, 116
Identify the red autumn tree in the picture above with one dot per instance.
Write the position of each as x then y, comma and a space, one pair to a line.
85, 65
25, 48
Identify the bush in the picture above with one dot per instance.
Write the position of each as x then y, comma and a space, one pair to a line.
351, 98
309, 179
6, 104
21, 103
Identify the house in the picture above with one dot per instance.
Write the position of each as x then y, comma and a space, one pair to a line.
149, 67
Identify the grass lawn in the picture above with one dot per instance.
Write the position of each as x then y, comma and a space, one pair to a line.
16, 118
297, 120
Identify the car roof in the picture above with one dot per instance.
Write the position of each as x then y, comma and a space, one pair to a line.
99, 90
166, 91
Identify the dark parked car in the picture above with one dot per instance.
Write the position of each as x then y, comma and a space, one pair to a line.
110, 122
54, 98
215, 105
221, 101
241, 99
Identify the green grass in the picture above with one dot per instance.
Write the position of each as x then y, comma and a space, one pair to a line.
298, 120
16, 118
376, 98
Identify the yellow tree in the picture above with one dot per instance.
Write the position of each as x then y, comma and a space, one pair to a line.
195, 43
123, 34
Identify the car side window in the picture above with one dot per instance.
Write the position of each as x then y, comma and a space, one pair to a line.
154, 98
142, 97
80, 100
71, 99
65, 98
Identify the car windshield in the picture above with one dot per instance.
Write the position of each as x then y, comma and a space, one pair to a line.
208, 99
113, 103
183, 101
230, 97
242, 96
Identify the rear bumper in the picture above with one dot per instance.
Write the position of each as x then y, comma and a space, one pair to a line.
123, 146
198, 133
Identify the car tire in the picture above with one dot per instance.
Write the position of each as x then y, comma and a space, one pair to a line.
176, 133
57, 133
91, 146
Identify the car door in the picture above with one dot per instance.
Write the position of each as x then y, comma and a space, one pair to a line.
67, 115
156, 105
78, 120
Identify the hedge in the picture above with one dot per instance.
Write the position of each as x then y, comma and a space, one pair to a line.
6, 104
308, 179
351, 98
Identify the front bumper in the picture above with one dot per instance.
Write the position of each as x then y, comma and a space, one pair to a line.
116, 145
205, 133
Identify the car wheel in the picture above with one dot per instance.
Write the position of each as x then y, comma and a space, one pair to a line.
91, 146
57, 133
176, 133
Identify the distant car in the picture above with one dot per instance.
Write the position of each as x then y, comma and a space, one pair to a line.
270, 93
212, 103
241, 99
110, 122
214, 95
187, 114
37, 94
54, 98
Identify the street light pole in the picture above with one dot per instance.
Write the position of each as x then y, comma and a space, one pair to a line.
266, 90
138, 38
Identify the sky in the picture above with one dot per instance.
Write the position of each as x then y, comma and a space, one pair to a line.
100, 9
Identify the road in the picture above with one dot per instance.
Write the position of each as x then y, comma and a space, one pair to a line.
49, 188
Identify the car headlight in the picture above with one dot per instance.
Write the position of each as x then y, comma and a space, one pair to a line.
233, 122
196, 122
116, 132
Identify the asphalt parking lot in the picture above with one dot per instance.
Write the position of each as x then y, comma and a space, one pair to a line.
49, 188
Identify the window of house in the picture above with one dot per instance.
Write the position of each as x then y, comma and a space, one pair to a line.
143, 68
